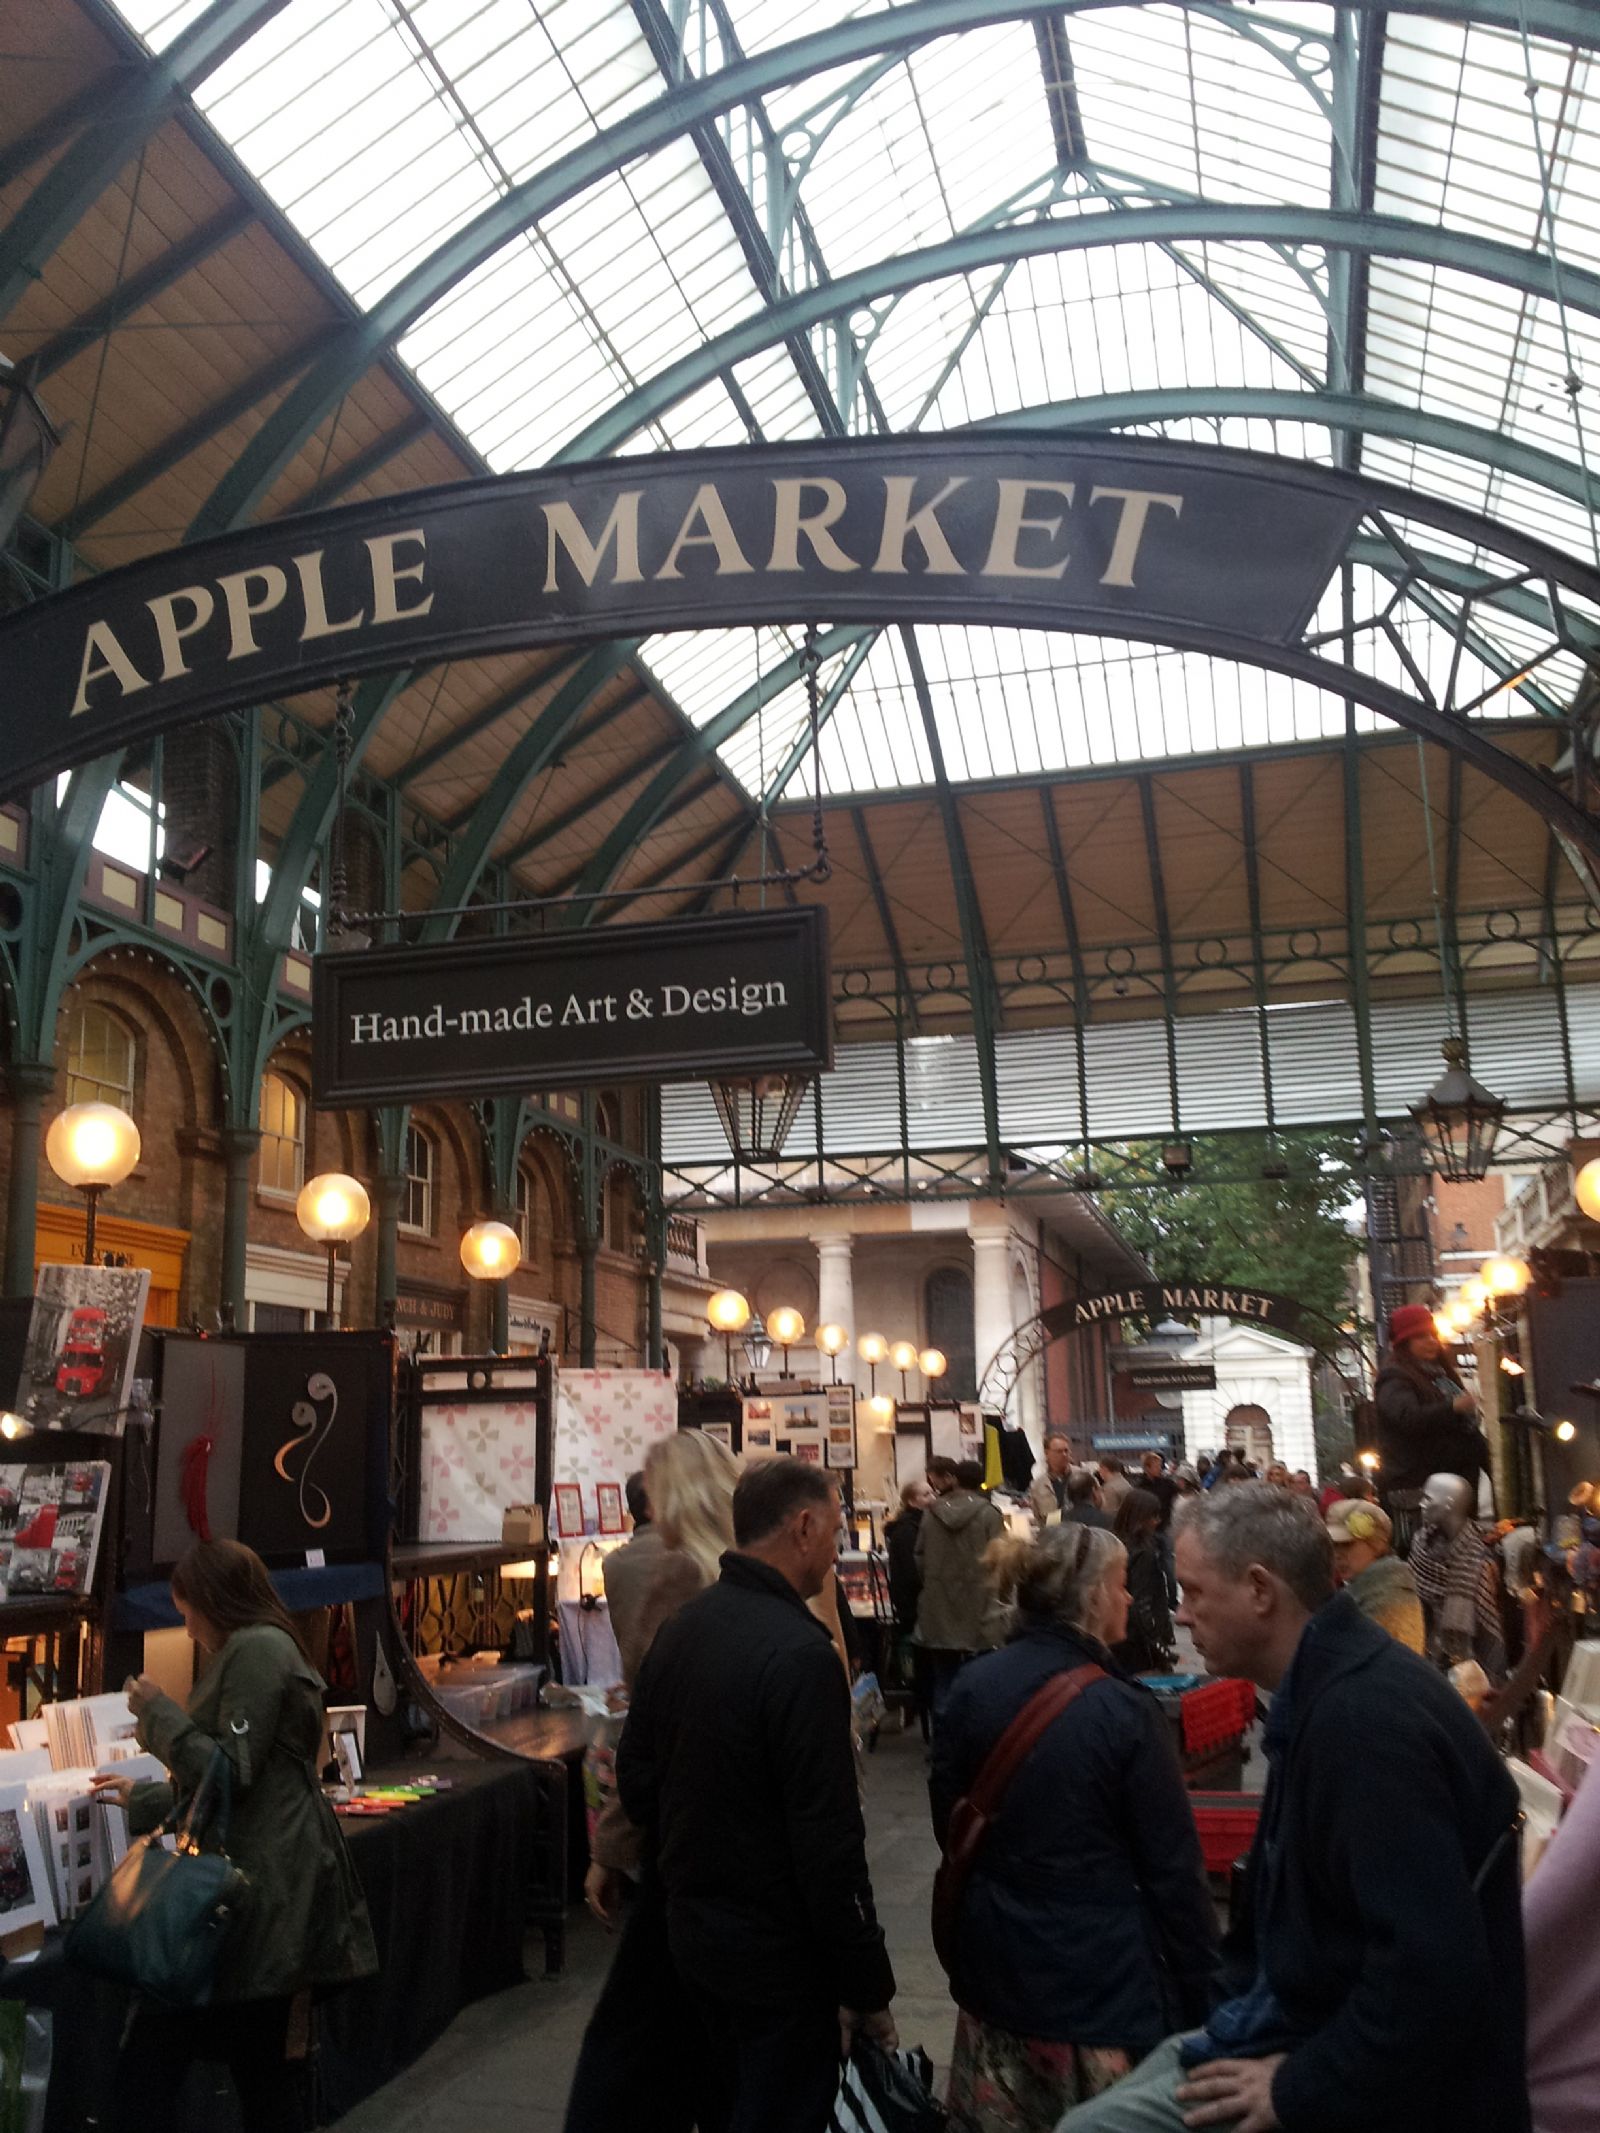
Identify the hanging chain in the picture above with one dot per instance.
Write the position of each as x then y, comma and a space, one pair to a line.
810, 661
344, 733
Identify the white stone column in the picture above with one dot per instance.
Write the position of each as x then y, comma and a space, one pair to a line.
992, 1323
836, 1304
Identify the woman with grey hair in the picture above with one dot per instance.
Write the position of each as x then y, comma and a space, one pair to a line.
1084, 1929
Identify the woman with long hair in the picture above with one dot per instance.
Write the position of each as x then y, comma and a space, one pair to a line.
639, 2070
304, 1929
1149, 1646
1085, 1932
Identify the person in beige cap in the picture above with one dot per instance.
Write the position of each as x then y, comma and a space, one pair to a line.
1379, 1583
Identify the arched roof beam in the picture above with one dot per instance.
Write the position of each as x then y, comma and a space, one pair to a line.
1390, 236
121, 126
687, 105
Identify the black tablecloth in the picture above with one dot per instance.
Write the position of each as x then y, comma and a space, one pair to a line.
448, 1883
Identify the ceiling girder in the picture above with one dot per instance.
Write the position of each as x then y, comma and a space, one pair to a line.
687, 104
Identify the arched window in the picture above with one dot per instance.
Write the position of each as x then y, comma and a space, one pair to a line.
100, 1058
416, 1205
527, 1222
283, 1136
947, 1313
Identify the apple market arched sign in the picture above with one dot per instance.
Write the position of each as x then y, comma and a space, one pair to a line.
1187, 545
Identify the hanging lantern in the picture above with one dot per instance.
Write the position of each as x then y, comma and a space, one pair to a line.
757, 1113
1459, 1120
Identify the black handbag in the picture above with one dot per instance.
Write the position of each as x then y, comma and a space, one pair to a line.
162, 1920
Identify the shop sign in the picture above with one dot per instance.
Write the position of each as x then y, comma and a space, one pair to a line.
1134, 537
1159, 1299
417, 1307
1174, 1377
741, 993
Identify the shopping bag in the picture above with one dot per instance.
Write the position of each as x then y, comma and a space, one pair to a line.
887, 2092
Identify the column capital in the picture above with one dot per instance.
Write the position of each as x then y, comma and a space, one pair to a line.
30, 1080
834, 1244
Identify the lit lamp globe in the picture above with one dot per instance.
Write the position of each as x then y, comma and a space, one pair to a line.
91, 1147
727, 1313
933, 1363
1460, 1314
1444, 1325
1586, 1189
1475, 1294
872, 1348
1502, 1275
491, 1251
881, 1409
785, 1326
333, 1209
903, 1355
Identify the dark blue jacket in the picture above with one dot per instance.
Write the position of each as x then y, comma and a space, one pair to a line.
1383, 1808
1087, 1918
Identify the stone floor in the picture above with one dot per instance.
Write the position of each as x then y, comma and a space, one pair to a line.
504, 2065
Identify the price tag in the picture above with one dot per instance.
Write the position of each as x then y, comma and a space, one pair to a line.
315, 1559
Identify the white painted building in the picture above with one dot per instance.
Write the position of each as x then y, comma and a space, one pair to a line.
1261, 1400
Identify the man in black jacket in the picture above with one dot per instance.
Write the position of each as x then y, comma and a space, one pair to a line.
1376, 1976
737, 1758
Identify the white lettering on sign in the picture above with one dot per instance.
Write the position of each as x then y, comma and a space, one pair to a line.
571, 1010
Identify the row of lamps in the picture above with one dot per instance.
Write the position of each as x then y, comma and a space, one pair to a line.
728, 1312
334, 1209
1499, 1280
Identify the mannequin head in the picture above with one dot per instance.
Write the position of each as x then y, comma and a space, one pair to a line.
1447, 1504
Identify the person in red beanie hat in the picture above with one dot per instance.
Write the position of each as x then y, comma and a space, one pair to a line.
1426, 1420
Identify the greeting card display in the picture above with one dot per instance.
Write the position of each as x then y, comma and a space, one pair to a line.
608, 1498
83, 1337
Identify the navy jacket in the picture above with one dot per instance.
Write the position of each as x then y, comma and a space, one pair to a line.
1408, 1985
737, 1758
1086, 1919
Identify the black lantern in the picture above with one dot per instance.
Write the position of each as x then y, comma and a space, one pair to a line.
27, 439
757, 1345
1459, 1120
757, 1114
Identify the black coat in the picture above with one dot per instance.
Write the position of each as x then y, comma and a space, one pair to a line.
1149, 1646
1385, 1804
1086, 1919
905, 1579
1419, 1431
737, 1759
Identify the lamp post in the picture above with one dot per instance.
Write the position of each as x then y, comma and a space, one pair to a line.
1459, 1120
91, 1147
933, 1364
492, 1251
727, 1313
333, 1209
903, 1357
832, 1341
872, 1348
786, 1327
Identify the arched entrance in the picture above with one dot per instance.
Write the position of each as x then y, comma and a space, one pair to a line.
1248, 1431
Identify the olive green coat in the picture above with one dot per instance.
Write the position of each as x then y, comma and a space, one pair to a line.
305, 1923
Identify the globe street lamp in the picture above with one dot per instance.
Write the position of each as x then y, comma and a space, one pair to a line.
903, 1357
333, 1209
786, 1327
832, 1341
933, 1364
872, 1348
492, 1252
727, 1313
91, 1147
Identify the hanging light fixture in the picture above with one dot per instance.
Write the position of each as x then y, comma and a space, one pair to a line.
1459, 1120
28, 440
757, 1113
757, 1345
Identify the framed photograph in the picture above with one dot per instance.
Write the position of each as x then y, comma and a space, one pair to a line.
842, 1446
26, 1890
569, 1510
758, 1439
83, 1336
608, 1497
806, 1444
722, 1432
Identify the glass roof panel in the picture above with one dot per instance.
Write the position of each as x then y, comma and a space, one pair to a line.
418, 113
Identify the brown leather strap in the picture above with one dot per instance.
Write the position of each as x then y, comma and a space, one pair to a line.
1023, 1734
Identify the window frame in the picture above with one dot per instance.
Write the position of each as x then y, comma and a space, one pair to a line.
425, 1179
295, 1140
83, 1088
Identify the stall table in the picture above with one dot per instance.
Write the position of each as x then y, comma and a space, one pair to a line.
449, 1884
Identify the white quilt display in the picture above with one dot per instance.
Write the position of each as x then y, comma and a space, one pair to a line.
606, 1420
477, 1458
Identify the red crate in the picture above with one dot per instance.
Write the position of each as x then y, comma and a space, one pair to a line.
1227, 1828
1216, 1712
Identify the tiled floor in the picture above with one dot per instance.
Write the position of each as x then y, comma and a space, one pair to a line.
504, 2065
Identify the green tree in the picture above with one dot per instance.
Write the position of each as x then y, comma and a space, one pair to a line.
1229, 1223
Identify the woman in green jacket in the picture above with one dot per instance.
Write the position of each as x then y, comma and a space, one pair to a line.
303, 1928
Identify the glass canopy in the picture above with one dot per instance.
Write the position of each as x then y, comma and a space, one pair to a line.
980, 195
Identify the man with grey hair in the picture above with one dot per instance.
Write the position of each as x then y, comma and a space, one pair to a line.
1047, 1498
1375, 1976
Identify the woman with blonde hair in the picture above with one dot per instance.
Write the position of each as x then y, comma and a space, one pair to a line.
1084, 1931
638, 2070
